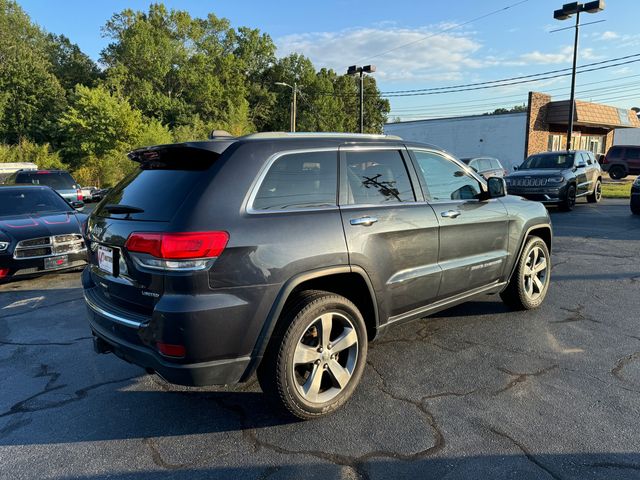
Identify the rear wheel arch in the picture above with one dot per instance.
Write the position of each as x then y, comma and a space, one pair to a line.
351, 282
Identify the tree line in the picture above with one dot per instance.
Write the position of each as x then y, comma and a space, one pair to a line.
164, 77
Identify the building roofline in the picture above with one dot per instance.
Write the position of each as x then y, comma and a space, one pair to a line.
460, 117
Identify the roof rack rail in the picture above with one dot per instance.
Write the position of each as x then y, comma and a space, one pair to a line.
267, 135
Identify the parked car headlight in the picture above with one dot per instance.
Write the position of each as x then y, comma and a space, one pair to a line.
555, 180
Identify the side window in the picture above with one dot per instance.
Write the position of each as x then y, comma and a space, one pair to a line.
496, 164
615, 152
377, 177
299, 180
444, 179
633, 153
485, 164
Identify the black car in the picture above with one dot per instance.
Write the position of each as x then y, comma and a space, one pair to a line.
622, 160
60, 180
288, 253
558, 178
39, 232
486, 166
635, 197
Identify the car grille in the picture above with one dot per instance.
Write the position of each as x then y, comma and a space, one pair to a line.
529, 182
49, 246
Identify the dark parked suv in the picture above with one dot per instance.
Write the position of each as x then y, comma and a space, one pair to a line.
558, 178
622, 160
286, 254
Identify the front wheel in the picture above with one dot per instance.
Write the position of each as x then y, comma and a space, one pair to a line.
318, 355
596, 195
528, 286
569, 200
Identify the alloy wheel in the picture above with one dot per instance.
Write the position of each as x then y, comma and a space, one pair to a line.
535, 273
325, 357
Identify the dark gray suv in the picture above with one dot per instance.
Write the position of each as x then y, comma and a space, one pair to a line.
286, 254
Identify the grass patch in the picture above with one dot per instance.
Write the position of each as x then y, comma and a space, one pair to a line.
616, 190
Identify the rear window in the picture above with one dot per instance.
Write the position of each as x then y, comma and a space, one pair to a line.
159, 186
633, 153
55, 180
614, 152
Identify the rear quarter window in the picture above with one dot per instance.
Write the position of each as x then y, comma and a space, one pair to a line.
299, 180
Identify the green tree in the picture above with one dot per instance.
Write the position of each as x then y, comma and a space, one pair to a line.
32, 97
69, 64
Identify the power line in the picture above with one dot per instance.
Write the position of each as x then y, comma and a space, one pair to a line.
444, 30
520, 95
484, 87
491, 82
506, 100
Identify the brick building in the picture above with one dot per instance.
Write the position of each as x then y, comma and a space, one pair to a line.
512, 137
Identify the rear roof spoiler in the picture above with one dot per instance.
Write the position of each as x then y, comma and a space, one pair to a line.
179, 151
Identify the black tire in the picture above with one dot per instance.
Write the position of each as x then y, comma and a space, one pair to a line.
284, 380
569, 201
596, 195
617, 172
517, 295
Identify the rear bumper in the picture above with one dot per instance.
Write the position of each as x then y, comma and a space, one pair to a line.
133, 337
217, 372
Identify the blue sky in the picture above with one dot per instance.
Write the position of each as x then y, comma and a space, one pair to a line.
338, 33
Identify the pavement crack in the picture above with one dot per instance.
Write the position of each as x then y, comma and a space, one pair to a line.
578, 316
44, 344
521, 377
157, 458
449, 394
525, 451
23, 405
616, 371
40, 306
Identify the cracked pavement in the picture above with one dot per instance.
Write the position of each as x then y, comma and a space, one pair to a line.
476, 391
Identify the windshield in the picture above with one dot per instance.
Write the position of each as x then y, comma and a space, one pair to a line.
55, 180
557, 161
30, 201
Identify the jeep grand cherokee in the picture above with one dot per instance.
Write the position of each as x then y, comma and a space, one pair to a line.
286, 254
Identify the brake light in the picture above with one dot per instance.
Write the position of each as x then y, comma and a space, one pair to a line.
79, 194
603, 160
4, 272
178, 246
43, 172
171, 350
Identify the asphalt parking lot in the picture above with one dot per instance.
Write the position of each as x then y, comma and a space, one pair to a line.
474, 392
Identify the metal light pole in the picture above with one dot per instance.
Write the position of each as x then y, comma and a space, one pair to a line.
294, 102
355, 70
564, 13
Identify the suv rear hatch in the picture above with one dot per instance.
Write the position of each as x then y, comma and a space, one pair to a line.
145, 201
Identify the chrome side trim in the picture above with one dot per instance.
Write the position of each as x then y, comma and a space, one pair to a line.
116, 318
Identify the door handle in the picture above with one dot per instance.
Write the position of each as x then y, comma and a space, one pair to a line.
451, 213
364, 221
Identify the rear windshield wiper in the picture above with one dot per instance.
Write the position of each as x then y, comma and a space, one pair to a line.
115, 208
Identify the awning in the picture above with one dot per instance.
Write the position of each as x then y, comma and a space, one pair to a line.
592, 115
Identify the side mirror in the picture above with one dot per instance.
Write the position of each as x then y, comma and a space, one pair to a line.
496, 188
581, 164
515, 167
77, 205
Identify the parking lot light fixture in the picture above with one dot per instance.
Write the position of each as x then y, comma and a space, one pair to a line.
566, 12
355, 70
294, 102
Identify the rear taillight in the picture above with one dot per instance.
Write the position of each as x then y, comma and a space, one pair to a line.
4, 272
79, 194
603, 160
177, 251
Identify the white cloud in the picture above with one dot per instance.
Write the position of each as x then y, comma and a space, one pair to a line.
608, 35
441, 57
564, 55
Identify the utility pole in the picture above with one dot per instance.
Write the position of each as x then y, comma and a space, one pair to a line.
355, 70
